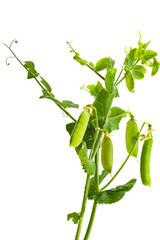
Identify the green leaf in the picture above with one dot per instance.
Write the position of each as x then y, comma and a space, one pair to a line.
92, 186
104, 63
101, 103
109, 80
80, 60
95, 89
130, 58
89, 134
87, 165
115, 92
148, 54
69, 104
101, 64
29, 65
114, 118
115, 194
140, 51
138, 72
46, 84
155, 67
91, 65
74, 216
111, 63
46, 95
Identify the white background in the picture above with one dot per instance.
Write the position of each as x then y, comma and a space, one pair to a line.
41, 179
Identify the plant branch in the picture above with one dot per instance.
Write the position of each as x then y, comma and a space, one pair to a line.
49, 94
73, 50
125, 159
89, 228
84, 202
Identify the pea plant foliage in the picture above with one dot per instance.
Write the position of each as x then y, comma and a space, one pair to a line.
91, 134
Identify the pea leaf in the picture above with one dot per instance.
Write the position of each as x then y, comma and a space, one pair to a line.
114, 118
87, 165
111, 63
101, 64
155, 67
95, 89
92, 186
29, 65
80, 60
115, 194
104, 63
130, 58
69, 104
91, 64
46, 84
109, 80
101, 103
89, 134
138, 72
46, 95
148, 54
74, 216
140, 51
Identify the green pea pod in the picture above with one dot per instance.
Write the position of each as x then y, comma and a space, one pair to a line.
129, 81
80, 128
107, 153
145, 159
131, 135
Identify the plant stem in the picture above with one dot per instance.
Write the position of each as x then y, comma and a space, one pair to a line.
95, 71
95, 150
63, 109
73, 50
125, 159
97, 171
83, 208
89, 228
90, 224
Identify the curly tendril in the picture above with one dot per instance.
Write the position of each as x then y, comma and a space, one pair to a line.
9, 47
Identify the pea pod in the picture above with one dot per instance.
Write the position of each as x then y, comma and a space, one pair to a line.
107, 153
145, 159
80, 128
129, 81
131, 135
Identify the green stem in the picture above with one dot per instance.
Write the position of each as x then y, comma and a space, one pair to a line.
117, 83
95, 71
118, 76
83, 208
101, 132
63, 109
97, 171
125, 159
86, 63
87, 181
89, 228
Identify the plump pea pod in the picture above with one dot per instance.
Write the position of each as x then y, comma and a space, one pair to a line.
80, 128
145, 159
131, 135
107, 153
129, 81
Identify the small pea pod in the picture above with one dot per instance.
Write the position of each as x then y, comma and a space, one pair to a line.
80, 128
107, 153
131, 135
145, 159
129, 81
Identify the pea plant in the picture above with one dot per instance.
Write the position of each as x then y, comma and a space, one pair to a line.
91, 134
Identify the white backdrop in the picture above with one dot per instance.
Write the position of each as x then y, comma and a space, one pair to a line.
41, 179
